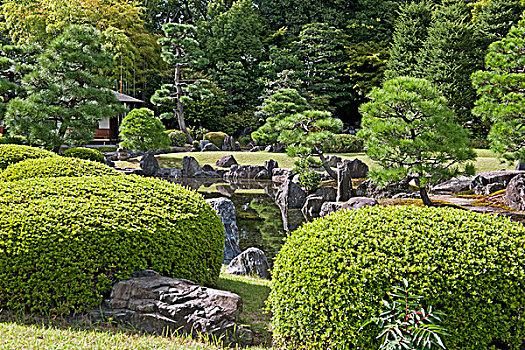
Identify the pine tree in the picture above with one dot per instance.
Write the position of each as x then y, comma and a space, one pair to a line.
500, 87
409, 130
181, 51
66, 96
292, 121
321, 63
410, 34
451, 53
494, 18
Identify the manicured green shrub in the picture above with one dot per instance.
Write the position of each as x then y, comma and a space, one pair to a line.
64, 241
331, 275
177, 138
55, 167
13, 140
217, 138
11, 154
85, 153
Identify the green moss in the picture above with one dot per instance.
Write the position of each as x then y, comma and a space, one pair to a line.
64, 241
217, 138
55, 167
332, 274
85, 153
11, 154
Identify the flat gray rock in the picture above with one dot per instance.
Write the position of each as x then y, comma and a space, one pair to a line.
160, 305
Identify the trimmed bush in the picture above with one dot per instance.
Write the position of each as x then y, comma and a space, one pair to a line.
11, 154
55, 167
345, 143
177, 138
331, 275
85, 153
217, 138
13, 140
64, 241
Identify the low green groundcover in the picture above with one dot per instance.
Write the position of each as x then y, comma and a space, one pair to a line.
332, 274
55, 167
11, 154
64, 241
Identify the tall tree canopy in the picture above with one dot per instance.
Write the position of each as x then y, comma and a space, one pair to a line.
121, 23
501, 90
66, 96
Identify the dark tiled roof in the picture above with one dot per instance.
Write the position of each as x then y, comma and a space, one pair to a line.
125, 98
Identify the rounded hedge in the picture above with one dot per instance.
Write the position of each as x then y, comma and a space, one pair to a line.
64, 241
11, 154
217, 138
55, 167
331, 275
85, 153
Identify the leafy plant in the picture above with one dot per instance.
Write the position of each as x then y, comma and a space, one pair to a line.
331, 275
11, 154
65, 241
406, 325
85, 153
177, 137
141, 130
55, 167
309, 179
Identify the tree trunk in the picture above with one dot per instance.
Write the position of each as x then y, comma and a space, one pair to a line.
180, 108
424, 194
326, 167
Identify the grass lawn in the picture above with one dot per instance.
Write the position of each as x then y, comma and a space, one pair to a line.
486, 159
30, 332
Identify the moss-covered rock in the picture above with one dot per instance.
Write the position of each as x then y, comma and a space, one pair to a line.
64, 241
331, 275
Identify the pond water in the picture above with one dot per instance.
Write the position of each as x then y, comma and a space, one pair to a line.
261, 222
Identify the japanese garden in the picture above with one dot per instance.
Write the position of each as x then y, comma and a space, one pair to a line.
262, 174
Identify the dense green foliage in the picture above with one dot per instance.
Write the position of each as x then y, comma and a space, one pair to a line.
500, 89
217, 138
64, 241
141, 130
66, 96
177, 138
11, 154
55, 167
85, 153
13, 140
409, 130
331, 275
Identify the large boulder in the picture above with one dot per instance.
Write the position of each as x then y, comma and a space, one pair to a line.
369, 189
329, 194
190, 166
171, 174
251, 262
352, 204
230, 144
455, 185
333, 160
149, 164
483, 183
515, 194
160, 305
240, 172
344, 181
281, 174
226, 211
226, 161
290, 196
270, 165
210, 147
312, 207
